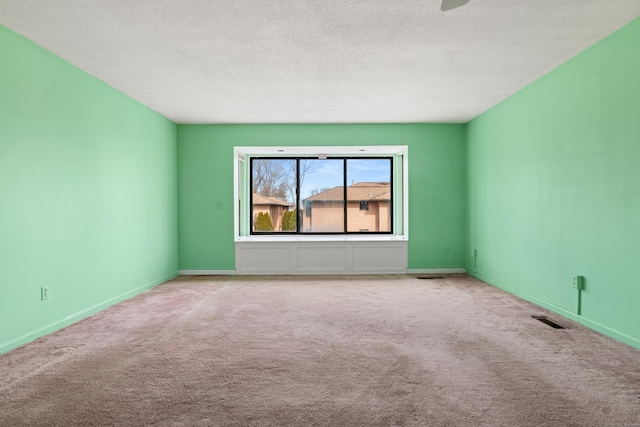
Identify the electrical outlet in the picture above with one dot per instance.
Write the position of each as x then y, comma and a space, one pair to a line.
44, 293
219, 205
577, 282
446, 250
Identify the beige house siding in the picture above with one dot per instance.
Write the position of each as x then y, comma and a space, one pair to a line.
273, 206
328, 217
275, 212
376, 219
326, 213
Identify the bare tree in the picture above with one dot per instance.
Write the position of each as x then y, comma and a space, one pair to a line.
270, 178
277, 177
317, 191
307, 166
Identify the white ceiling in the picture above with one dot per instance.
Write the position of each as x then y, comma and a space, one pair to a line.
316, 61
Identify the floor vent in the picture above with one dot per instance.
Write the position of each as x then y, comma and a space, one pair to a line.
546, 321
429, 277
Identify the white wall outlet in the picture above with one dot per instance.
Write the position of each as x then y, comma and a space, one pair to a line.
44, 293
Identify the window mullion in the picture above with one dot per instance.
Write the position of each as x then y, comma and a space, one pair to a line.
297, 201
344, 178
391, 196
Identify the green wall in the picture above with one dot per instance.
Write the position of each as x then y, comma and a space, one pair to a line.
554, 188
88, 185
436, 185
99, 194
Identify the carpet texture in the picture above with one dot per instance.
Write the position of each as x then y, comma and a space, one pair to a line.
321, 351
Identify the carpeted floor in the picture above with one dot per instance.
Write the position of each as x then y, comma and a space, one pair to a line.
321, 351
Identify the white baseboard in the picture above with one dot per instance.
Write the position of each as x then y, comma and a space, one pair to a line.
436, 271
319, 272
79, 315
266, 272
632, 341
206, 272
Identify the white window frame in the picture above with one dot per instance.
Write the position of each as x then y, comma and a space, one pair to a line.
241, 208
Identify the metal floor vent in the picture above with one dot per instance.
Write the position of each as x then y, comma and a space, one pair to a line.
546, 321
429, 277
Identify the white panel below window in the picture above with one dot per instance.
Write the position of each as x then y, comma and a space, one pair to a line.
330, 258
275, 258
370, 257
345, 257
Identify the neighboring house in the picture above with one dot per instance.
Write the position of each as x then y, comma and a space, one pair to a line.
273, 206
368, 209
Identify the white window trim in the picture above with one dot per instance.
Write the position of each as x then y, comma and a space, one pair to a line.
241, 156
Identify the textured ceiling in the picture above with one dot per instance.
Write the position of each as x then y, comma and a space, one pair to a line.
316, 61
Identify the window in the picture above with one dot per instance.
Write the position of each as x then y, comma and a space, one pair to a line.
297, 191
333, 195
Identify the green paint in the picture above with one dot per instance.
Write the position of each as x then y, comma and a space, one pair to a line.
554, 188
88, 185
436, 185
96, 189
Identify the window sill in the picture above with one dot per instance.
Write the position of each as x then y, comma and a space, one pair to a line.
323, 238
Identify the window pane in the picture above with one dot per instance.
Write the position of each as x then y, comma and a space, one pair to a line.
273, 185
369, 195
322, 196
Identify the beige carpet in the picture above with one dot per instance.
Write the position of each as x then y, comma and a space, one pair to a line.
321, 351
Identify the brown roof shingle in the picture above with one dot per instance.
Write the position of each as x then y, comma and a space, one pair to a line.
361, 191
259, 199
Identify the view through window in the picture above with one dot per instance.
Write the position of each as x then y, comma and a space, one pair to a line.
321, 196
